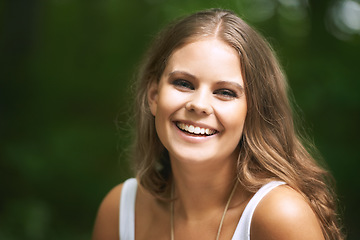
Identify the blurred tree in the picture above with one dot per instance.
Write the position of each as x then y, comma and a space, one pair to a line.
66, 69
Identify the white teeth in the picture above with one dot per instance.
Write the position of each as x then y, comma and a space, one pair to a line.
195, 130
191, 129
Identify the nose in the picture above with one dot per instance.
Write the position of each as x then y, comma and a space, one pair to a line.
200, 104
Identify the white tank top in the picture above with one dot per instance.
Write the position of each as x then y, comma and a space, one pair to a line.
127, 210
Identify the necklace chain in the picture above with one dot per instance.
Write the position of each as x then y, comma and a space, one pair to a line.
222, 218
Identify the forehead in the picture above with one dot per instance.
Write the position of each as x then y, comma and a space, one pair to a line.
208, 58
211, 44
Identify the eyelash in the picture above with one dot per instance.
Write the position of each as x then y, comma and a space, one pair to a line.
224, 93
183, 84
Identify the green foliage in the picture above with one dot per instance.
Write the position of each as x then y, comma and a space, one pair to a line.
67, 67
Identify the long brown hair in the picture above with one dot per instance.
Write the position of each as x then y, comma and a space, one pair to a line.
270, 147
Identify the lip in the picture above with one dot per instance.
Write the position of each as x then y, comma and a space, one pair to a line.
196, 124
192, 137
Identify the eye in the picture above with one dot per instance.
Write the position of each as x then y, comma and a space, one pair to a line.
183, 84
226, 93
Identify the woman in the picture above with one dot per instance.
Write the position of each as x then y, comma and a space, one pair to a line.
216, 152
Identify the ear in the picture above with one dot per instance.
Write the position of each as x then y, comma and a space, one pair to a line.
152, 96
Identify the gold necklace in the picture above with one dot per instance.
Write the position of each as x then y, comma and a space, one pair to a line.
222, 218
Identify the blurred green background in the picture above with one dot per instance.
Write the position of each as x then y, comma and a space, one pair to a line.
66, 68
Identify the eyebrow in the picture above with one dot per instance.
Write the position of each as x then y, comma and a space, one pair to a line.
182, 73
234, 84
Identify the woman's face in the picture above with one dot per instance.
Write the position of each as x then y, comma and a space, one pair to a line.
199, 103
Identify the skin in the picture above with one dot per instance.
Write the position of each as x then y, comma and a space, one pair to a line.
202, 85
204, 90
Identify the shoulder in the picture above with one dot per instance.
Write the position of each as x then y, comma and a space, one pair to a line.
107, 219
284, 214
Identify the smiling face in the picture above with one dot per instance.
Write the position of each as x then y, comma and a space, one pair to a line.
199, 103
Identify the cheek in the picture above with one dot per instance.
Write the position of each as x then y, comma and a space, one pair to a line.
169, 102
233, 116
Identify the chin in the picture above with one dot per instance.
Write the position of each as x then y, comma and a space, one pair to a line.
192, 157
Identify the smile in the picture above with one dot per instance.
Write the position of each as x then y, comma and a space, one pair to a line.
195, 130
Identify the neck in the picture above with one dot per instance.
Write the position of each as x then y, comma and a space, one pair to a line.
202, 189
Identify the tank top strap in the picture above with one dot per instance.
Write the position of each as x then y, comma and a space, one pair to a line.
242, 231
127, 210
